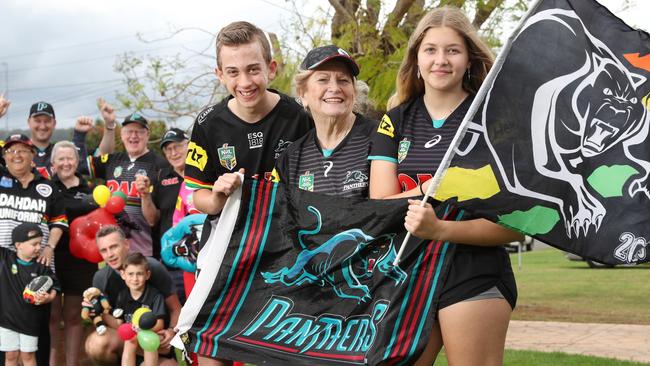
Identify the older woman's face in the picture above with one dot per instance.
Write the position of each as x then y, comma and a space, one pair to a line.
329, 91
64, 162
18, 158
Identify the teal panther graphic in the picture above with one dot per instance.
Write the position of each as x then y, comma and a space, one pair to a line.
343, 262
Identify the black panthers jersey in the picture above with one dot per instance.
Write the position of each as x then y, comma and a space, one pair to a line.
407, 136
223, 143
39, 203
15, 275
119, 172
344, 172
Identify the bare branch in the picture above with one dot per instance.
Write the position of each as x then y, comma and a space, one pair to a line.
483, 11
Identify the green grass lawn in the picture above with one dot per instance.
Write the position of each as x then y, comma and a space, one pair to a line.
552, 288
531, 358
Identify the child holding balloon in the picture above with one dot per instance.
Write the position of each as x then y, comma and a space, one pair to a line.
143, 307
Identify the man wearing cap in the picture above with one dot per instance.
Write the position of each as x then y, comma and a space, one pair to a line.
120, 171
42, 122
169, 200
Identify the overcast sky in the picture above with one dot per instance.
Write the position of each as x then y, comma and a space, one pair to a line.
63, 51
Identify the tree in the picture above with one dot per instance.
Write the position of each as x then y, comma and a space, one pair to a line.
378, 42
374, 32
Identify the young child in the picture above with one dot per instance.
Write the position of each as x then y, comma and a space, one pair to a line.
20, 322
136, 272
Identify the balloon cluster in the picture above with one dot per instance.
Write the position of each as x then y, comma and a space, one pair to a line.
84, 228
142, 321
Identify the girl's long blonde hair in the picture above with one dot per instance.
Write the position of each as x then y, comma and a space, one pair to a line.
408, 85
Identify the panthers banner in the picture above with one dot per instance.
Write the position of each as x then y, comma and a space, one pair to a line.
290, 277
556, 142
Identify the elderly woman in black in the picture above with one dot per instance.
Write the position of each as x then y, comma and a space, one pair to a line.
74, 274
332, 158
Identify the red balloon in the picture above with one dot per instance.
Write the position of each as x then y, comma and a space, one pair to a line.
82, 234
115, 204
126, 332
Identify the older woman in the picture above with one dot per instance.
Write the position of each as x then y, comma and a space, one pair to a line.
25, 196
75, 274
332, 158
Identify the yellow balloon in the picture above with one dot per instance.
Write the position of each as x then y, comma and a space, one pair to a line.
101, 194
135, 318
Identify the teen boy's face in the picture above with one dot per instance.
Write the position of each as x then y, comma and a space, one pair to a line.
245, 73
30, 249
135, 276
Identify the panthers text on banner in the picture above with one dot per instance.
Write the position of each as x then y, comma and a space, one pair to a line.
556, 142
299, 278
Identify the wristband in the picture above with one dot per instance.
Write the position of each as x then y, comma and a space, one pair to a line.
110, 129
51, 246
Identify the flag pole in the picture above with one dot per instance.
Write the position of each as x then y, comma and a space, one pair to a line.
462, 129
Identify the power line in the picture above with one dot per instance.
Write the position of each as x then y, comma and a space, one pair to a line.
98, 58
30, 53
63, 85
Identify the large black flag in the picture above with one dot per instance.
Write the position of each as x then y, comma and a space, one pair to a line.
290, 277
556, 143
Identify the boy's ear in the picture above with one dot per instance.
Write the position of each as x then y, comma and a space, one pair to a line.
219, 73
123, 274
273, 69
148, 274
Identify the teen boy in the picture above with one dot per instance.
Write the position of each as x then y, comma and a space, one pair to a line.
245, 132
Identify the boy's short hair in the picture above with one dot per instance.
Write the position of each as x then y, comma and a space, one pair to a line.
238, 33
136, 259
24, 232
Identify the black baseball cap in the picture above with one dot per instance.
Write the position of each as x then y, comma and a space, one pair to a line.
320, 55
25, 231
18, 138
136, 118
173, 135
39, 108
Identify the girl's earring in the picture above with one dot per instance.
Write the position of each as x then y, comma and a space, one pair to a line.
419, 76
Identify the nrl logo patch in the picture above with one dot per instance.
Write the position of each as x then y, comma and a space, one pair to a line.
117, 172
44, 190
306, 182
403, 150
227, 157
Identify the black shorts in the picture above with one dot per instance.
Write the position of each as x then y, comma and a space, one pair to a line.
473, 270
74, 274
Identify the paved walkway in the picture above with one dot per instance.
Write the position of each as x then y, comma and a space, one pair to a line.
620, 341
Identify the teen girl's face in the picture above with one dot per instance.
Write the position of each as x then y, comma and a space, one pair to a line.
443, 59
64, 163
329, 91
245, 73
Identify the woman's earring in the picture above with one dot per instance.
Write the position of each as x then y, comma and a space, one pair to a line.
419, 76
469, 77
